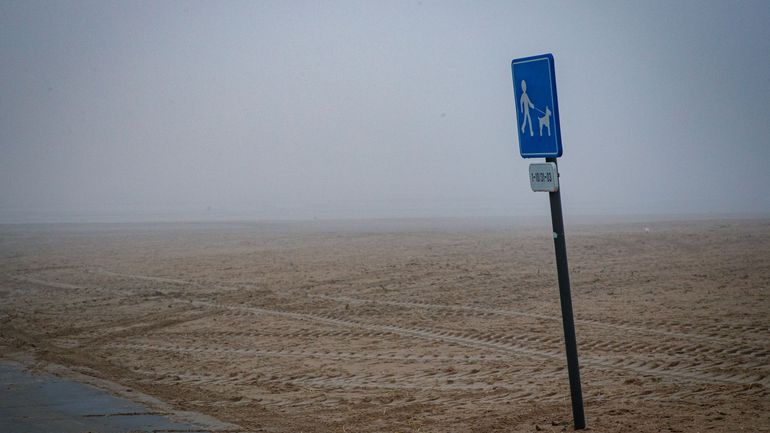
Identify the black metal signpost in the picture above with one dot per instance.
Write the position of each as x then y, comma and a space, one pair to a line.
534, 89
565, 294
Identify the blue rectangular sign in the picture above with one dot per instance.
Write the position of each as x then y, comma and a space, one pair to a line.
537, 109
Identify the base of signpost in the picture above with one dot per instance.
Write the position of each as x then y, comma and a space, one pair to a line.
565, 295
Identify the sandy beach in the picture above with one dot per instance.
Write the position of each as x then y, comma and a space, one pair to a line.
450, 326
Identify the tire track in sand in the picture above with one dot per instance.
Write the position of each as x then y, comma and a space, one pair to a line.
716, 333
298, 353
430, 387
692, 372
427, 387
672, 345
679, 369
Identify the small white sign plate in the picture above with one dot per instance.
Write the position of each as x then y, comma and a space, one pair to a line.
544, 177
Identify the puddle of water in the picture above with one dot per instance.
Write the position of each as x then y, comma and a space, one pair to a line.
41, 403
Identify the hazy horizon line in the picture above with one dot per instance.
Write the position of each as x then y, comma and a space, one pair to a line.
531, 218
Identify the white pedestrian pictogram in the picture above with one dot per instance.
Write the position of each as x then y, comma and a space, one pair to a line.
525, 103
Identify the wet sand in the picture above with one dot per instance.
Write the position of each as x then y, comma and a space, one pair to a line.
388, 327
35, 402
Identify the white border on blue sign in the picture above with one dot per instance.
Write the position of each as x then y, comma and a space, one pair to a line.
546, 58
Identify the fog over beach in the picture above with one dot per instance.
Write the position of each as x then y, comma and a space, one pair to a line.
132, 111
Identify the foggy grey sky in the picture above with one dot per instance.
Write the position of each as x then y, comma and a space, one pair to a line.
376, 109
